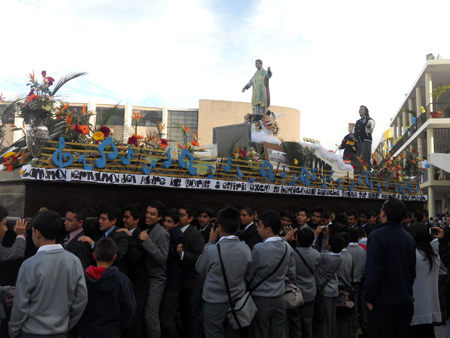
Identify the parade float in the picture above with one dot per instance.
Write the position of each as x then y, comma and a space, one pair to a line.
63, 160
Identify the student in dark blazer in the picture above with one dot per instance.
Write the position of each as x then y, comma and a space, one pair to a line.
249, 232
108, 223
74, 222
191, 308
135, 261
205, 215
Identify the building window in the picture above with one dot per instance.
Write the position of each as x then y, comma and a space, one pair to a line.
112, 116
150, 118
177, 119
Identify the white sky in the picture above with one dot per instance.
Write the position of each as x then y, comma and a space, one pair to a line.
327, 57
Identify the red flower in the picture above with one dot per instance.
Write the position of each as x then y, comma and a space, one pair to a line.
413, 150
354, 167
349, 155
242, 153
44, 73
381, 175
164, 142
50, 80
105, 130
374, 162
132, 140
364, 162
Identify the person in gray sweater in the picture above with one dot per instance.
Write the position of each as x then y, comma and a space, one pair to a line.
325, 276
306, 259
268, 296
155, 241
344, 275
359, 262
238, 271
51, 292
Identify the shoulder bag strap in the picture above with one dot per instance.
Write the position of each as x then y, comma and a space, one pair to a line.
275, 270
227, 287
304, 261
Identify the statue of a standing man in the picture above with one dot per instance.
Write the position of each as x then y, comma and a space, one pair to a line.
261, 93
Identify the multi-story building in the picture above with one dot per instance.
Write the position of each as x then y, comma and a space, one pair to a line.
209, 114
413, 125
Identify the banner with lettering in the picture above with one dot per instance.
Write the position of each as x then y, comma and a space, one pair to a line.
91, 176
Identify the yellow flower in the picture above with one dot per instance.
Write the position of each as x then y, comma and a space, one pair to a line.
21, 172
7, 155
295, 161
98, 136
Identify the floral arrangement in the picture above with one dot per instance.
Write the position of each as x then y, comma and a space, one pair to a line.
38, 105
193, 145
251, 155
156, 140
14, 160
77, 127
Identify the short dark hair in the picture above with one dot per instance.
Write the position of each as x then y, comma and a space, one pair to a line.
353, 233
305, 210
352, 212
48, 223
135, 211
190, 210
250, 211
112, 212
260, 61
288, 214
230, 219
326, 213
341, 217
318, 208
271, 219
158, 205
361, 232
79, 211
172, 213
105, 249
418, 215
205, 208
337, 242
305, 237
3, 213
395, 209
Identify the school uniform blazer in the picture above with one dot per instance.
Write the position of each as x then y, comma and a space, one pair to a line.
193, 244
81, 249
135, 259
205, 232
121, 240
17, 250
251, 236
156, 247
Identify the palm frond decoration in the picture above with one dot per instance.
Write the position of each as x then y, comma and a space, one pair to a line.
62, 81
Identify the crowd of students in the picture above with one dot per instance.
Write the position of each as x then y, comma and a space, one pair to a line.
152, 271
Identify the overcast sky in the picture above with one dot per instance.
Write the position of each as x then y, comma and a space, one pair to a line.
327, 57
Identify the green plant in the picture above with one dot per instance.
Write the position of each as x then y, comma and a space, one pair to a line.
438, 91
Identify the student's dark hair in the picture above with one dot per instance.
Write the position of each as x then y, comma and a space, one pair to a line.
105, 249
337, 242
271, 218
352, 212
79, 211
205, 208
190, 210
395, 209
230, 219
361, 232
346, 237
288, 214
135, 211
305, 237
158, 205
422, 237
341, 217
3, 213
250, 210
418, 215
112, 212
353, 234
319, 209
326, 213
48, 223
425, 213
306, 210
260, 61
172, 213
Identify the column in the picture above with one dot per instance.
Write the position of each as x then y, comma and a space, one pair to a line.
394, 131
420, 147
428, 92
430, 149
404, 120
91, 107
431, 202
165, 121
127, 121
399, 126
410, 108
